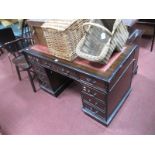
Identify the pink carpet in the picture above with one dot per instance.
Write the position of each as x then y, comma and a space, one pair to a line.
25, 112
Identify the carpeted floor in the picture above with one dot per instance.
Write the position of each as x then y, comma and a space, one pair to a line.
25, 112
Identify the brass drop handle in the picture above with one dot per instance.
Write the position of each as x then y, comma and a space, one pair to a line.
68, 72
95, 94
96, 103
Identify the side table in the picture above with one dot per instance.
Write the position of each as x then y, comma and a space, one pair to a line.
150, 22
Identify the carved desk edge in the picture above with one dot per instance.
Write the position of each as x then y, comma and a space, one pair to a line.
107, 75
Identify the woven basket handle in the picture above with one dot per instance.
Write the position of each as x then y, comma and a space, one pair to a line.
96, 25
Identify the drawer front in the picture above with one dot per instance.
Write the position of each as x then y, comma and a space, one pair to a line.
94, 93
93, 82
94, 111
93, 101
68, 72
33, 60
39, 69
60, 69
45, 63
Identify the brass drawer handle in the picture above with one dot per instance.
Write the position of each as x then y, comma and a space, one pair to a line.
95, 94
89, 100
67, 72
94, 81
88, 90
88, 79
93, 110
96, 103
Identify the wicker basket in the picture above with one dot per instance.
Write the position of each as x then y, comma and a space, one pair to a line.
99, 42
37, 31
62, 37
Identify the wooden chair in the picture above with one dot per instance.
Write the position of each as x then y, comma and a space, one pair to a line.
1, 51
5, 37
14, 47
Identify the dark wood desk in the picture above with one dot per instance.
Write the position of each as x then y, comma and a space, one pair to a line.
103, 88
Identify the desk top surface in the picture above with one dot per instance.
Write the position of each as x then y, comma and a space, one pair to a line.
96, 70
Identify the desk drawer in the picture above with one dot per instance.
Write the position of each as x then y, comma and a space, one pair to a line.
94, 111
65, 71
93, 101
94, 93
46, 64
68, 72
59, 69
33, 60
92, 82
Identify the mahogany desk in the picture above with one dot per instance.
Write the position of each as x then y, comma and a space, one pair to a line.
103, 88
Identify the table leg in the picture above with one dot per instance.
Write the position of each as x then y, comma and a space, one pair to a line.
153, 39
